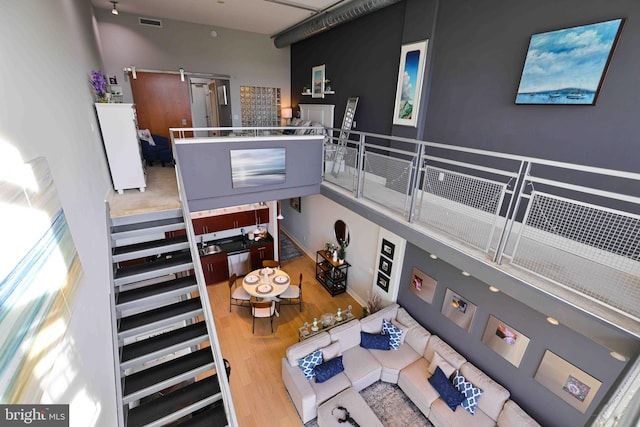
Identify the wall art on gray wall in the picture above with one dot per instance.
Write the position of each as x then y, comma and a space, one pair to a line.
568, 66
422, 285
505, 340
410, 75
566, 381
457, 309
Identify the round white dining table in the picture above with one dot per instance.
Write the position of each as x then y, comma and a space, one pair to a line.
266, 283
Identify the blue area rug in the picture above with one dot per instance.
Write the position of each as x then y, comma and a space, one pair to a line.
392, 407
287, 249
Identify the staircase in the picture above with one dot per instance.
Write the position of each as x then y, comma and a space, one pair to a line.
168, 362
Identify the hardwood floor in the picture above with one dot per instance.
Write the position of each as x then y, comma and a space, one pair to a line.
259, 395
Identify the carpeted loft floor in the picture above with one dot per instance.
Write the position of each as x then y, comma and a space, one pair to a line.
392, 407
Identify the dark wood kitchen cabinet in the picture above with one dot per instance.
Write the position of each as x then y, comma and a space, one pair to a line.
212, 224
215, 268
260, 253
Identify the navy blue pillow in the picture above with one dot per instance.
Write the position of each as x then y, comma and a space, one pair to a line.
374, 341
289, 131
328, 369
445, 388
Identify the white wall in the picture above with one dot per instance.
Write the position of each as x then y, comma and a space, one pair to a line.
48, 48
250, 59
313, 227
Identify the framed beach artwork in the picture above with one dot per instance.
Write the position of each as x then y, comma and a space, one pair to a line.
317, 81
409, 87
257, 166
568, 66
566, 381
505, 340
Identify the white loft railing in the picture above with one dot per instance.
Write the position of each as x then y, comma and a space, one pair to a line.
543, 219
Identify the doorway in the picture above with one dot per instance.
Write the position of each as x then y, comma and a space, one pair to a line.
162, 102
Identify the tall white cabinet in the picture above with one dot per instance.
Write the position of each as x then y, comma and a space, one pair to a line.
119, 128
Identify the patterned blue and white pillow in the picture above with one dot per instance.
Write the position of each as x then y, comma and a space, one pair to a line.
309, 362
395, 334
471, 392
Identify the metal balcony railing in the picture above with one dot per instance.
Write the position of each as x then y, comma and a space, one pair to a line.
572, 226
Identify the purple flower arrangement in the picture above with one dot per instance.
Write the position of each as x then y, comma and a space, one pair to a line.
99, 83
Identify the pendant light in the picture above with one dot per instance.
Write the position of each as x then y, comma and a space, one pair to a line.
115, 9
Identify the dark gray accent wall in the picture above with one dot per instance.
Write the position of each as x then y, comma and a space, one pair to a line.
476, 54
361, 59
536, 400
480, 52
206, 171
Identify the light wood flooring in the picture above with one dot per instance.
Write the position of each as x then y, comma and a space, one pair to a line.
259, 395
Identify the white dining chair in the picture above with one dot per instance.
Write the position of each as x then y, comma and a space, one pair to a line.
262, 309
237, 295
291, 294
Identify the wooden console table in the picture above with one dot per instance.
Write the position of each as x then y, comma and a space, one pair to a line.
332, 275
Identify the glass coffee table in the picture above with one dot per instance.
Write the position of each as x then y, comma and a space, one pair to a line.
324, 323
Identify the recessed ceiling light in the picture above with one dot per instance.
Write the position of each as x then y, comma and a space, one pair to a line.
553, 321
493, 288
618, 356
433, 256
464, 273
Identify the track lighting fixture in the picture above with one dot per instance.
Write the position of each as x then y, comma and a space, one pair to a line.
115, 9
133, 72
181, 74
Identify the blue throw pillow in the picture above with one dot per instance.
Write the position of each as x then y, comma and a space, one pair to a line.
328, 369
374, 341
395, 334
445, 388
471, 392
309, 362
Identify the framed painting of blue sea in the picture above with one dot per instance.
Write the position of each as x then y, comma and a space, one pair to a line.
568, 66
409, 88
257, 166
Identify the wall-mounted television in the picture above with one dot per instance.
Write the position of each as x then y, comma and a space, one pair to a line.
255, 167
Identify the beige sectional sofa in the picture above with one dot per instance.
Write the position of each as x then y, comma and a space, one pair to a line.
410, 366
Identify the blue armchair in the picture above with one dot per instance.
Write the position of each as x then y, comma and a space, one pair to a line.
159, 152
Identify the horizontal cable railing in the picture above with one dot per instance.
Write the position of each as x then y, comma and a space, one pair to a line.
568, 224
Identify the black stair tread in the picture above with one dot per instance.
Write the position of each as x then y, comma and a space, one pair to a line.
167, 339
167, 370
214, 416
147, 224
176, 259
119, 250
155, 289
146, 317
172, 402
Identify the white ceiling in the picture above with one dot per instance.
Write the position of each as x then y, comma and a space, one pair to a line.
257, 16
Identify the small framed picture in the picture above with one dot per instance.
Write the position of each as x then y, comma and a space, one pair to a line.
317, 81
505, 340
383, 282
113, 80
568, 382
458, 309
388, 248
423, 285
295, 203
385, 265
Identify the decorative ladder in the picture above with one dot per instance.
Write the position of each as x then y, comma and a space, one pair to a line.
169, 368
